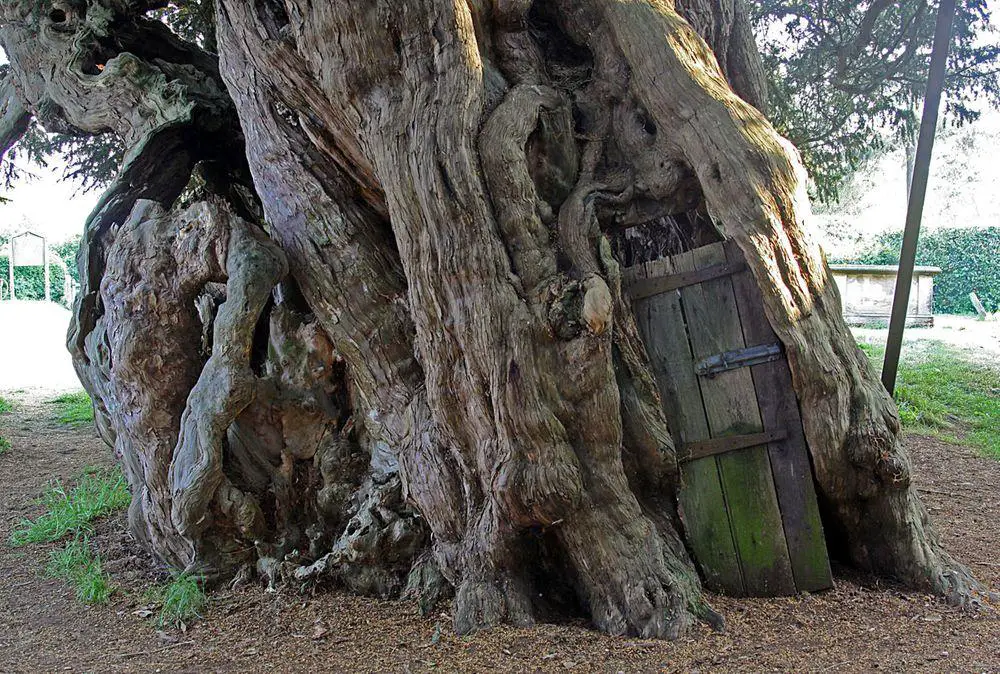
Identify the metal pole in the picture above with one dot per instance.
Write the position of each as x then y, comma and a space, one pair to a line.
918, 190
45, 264
10, 268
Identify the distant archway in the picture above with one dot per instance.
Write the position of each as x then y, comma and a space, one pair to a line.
29, 249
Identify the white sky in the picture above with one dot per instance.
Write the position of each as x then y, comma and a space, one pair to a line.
962, 191
50, 207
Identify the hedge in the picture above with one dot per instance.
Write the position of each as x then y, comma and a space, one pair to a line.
29, 282
969, 261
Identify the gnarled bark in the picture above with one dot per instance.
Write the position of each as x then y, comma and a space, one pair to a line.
417, 361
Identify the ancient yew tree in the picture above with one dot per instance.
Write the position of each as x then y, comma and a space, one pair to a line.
352, 308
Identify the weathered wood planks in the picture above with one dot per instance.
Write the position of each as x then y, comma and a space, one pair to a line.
747, 498
647, 287
703, 509
790, 465
699, 450
731, 408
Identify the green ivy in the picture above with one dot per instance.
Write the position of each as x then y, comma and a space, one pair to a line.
969, 261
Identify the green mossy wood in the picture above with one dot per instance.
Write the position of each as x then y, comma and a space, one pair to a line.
734, 503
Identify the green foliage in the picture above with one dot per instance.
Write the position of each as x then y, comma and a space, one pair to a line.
74, 409
193, 20
941, 391
97, 493
847, 78
5, 408
181, 600
29, 282
67, 252
81, 568
968, 259
91, 161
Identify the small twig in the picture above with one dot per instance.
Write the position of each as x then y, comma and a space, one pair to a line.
158, 650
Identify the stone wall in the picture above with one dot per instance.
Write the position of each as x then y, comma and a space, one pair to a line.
867, 291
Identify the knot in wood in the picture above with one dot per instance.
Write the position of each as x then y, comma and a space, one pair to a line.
598, 307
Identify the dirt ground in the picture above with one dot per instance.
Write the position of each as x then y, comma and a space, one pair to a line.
861, 625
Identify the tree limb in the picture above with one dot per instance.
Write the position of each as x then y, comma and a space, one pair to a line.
14, 117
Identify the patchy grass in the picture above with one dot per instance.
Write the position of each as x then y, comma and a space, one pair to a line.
81, 568
942, 391
5, 407
181, 600
68, 511
74, 409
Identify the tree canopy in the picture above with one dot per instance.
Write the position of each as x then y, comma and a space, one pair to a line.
845, 81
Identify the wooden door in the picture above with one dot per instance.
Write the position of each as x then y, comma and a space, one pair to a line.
747, 497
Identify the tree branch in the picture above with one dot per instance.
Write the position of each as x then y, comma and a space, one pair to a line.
14, 117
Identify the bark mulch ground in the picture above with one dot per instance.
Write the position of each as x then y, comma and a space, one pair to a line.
863, 624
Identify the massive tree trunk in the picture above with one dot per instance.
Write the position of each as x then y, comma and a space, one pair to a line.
352, 311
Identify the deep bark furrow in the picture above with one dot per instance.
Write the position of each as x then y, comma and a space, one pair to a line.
524, 432
14, 117
505, 169
343, 258
225, 386
71, 86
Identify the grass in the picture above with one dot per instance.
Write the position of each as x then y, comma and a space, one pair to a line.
80, 567
5, 407
69, 511
941, 391
181, 600
74, 409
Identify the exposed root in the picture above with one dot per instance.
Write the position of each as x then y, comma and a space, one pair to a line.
226, 385
485, 603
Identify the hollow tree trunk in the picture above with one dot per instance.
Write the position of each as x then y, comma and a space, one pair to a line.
351, 309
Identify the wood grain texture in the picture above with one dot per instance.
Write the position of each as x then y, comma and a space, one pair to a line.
701, 499
449, 379
790, 465
729, 443
731, 408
